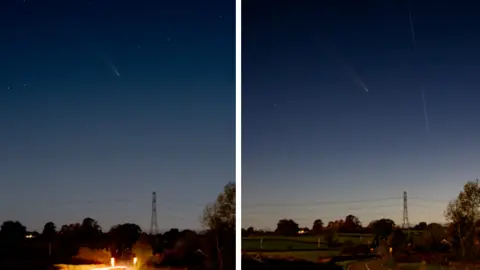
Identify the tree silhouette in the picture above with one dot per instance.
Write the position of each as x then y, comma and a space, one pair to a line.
12, 232
287, 227
49, 231
463, 212
335, 225
170, 238
421, 226
317, 226
90, 224
69, 239
184, 250
382, 228
219, 217
90, 233
351, 224
221, 213
123, 236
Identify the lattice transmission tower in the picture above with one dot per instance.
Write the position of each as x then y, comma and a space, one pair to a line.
405, 224
153, 220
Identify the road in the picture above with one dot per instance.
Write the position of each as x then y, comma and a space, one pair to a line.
368, 265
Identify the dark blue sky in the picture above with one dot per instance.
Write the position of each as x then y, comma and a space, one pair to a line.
315, 140
81, 141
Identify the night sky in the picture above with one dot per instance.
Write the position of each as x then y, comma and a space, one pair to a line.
104, 102
316, 144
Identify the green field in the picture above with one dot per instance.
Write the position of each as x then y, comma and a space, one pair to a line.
313, 255
306, 247
306, 242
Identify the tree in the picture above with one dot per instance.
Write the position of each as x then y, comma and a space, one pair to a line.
317, 226
219, 217
123, 236
463, 212
171, 237
91, 233
352, 223
287, 227
12, 232
420, 226
49, 231
335, 225
185, 249
69, 239
382, 228
90, 224
221, 213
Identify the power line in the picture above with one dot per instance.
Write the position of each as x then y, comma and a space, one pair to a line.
429, 200
319, 203
317, 209
255, 211
79, 202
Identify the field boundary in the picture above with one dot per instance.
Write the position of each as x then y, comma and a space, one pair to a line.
290, 250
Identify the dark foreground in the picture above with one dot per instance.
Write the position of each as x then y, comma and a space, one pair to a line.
279, 264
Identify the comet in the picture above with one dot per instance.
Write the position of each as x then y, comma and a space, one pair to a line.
349, 68
356, 78
110, 64
115, 70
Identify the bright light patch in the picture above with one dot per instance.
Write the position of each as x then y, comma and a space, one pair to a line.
110, 268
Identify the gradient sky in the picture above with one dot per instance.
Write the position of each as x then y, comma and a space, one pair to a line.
81, 141
312, 136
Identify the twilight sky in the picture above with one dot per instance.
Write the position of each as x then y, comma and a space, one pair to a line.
314, 140
80, 141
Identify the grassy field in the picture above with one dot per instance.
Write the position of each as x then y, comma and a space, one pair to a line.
307, 242
306, 247
303, 255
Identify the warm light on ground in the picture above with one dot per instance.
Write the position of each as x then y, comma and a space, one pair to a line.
90, 267
110, 268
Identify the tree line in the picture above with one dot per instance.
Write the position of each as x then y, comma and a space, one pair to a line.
58, 244
461, 234
351, 224
69, 237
